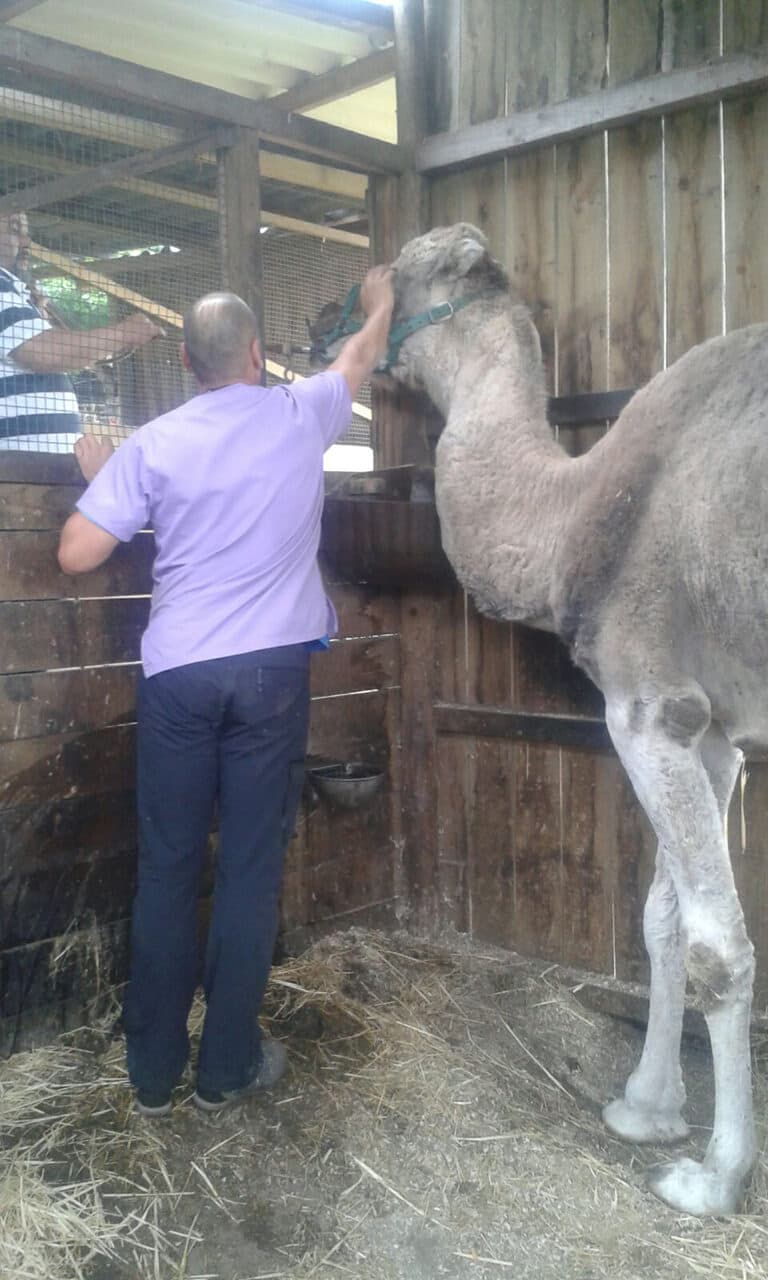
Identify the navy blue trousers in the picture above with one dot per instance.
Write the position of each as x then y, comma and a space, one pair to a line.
232, 730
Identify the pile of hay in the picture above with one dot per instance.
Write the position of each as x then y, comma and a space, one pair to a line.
440, 1119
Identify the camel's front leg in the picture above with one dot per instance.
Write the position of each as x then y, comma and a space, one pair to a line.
651, 1109
659, 741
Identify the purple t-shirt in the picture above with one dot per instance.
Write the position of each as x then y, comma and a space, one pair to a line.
232, 484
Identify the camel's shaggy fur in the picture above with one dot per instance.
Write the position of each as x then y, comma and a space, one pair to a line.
649, 557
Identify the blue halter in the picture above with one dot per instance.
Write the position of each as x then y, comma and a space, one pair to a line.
345, 326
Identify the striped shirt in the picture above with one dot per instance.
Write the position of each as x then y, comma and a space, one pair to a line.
37, 410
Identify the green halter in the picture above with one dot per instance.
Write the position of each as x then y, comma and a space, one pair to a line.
345, 325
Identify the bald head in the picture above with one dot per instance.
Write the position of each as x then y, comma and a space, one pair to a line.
220, 331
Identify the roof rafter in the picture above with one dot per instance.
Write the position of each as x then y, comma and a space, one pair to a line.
40, 55
315, 91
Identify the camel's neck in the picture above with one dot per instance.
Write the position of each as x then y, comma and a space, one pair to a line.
505, 488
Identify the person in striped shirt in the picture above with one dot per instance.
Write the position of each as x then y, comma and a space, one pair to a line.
38, 407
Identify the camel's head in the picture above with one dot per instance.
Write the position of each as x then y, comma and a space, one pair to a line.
446, 265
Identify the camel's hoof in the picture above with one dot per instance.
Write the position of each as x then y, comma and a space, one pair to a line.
636, 1125
690, 1188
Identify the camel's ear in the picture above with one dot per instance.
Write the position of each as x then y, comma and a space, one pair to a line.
466, 248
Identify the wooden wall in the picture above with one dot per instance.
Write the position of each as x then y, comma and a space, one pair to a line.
68, 663
629, 246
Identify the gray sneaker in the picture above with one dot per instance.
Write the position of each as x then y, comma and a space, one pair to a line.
274, 1060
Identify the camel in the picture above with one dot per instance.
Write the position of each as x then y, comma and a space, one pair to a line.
648, 556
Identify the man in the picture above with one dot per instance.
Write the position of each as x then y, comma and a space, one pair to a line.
38, 406
232, 484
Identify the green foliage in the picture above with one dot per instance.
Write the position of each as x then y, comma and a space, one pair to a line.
78, 308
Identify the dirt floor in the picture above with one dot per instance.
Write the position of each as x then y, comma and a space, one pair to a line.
440, 1119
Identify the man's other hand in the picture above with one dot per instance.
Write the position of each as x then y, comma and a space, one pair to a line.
376, 290
137, 329
91, 453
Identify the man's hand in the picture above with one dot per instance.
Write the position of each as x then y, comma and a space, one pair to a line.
91, 454
376, 291
137, 329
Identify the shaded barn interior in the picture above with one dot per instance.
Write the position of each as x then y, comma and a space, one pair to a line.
504, 812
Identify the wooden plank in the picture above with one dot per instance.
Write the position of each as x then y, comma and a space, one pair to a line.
41, 635
633, 35
418, 630
36, 506
745, 25
531, 53
364, 611
42, 771
315, 91
582, 281
531, 247
483, 52
354, 666
585, 732
29, 569
609, 108
745, 128
691, 32
635, 193
693, 222
48, 702
747, 826
442, 25
581, 51
350, 728
48, 902
546, 680
392, 544
534, 922
39, 468
491, 820
410, 42
588, 407
103, 175
240, 224
37, 55
37, 836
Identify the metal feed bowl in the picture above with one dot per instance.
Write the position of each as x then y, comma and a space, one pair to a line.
348, 785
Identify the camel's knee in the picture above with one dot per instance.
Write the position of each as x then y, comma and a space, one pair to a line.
684, 717
681, 716
720, 972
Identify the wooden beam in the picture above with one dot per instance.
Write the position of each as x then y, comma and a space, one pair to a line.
39, 55
411, 113
91, 178
14, 8
607, 109
240, 225
587, 732
154, 191
95, 280
315, 91
53, 114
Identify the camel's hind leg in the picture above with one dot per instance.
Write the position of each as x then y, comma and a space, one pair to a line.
684, 773
651, 1109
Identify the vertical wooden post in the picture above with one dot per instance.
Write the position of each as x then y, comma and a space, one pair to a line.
239, 191
397, 212
411, 83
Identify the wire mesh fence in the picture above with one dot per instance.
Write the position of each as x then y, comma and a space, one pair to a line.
87, 242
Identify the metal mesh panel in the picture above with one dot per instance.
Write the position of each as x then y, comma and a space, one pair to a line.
300, 274
121, 244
